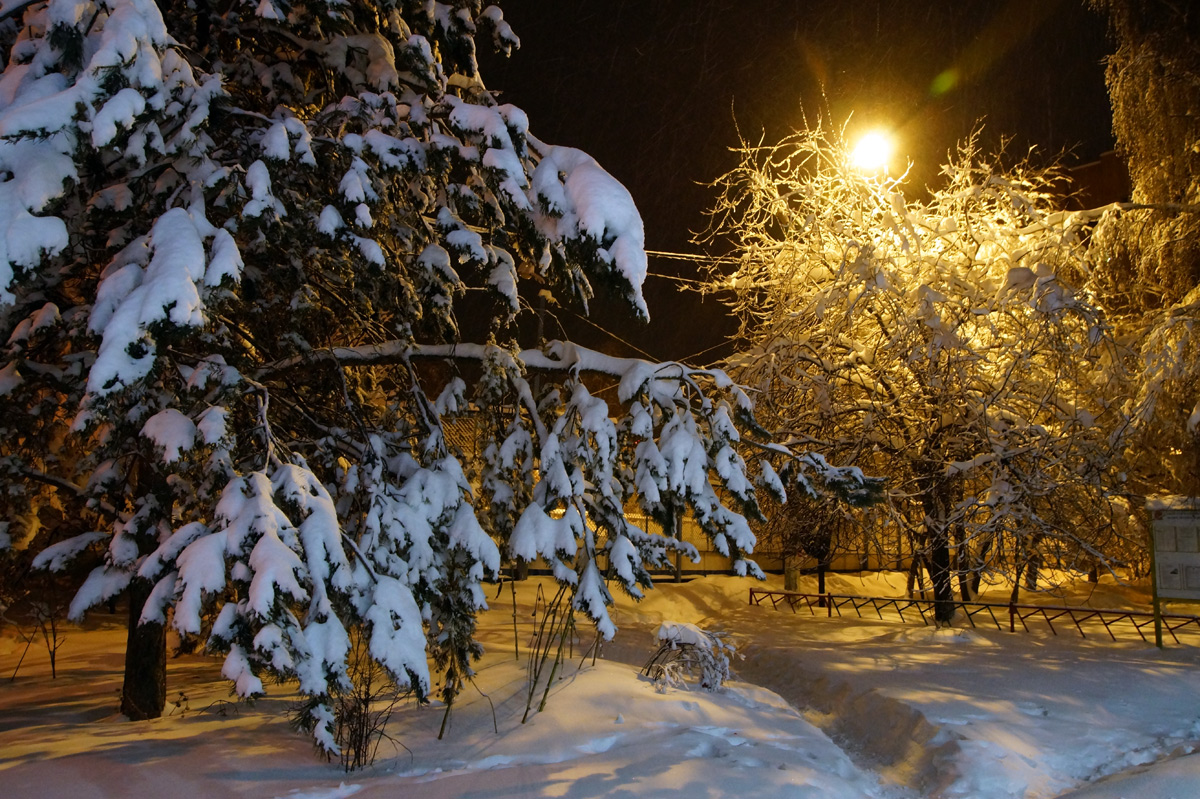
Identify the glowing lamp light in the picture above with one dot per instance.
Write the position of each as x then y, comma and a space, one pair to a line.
872, 152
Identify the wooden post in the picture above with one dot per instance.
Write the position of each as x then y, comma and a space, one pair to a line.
1158, 637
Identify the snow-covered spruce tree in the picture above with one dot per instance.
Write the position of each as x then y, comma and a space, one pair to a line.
238, 243
943, 344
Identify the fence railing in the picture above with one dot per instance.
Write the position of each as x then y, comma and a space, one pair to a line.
1002, 616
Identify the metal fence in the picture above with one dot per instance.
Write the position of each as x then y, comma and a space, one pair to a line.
1000, 615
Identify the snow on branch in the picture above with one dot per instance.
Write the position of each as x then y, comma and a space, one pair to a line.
288, 504
558, 356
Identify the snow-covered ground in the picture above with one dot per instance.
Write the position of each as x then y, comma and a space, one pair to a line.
830, 708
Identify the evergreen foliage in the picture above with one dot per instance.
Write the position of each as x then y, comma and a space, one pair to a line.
243, 246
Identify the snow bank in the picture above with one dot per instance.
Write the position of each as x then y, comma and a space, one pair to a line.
837, 709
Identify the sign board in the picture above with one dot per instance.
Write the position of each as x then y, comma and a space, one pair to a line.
1175, 527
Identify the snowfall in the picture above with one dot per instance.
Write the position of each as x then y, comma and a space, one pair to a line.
837, 708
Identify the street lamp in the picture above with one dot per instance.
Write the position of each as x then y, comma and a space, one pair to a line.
872, 152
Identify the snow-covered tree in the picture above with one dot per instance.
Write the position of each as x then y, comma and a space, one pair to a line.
943, 343
1153, 76
1147, 252
243, 245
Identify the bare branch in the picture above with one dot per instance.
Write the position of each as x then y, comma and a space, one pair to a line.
69, 487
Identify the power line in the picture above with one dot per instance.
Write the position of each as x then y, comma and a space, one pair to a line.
678, 279
688, 358
640, 351
711, 260
608, 332
677, 256
696, 257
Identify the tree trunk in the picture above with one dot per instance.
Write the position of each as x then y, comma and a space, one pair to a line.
674, 529
822, 568
915, 580
1016, 589
940, 575
144, 692
791, 574
977, 575
962, 562
1031, 573
935, 502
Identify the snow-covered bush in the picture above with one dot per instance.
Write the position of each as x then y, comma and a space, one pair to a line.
685, 650
237, 242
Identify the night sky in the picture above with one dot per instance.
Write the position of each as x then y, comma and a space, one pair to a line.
657, 91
